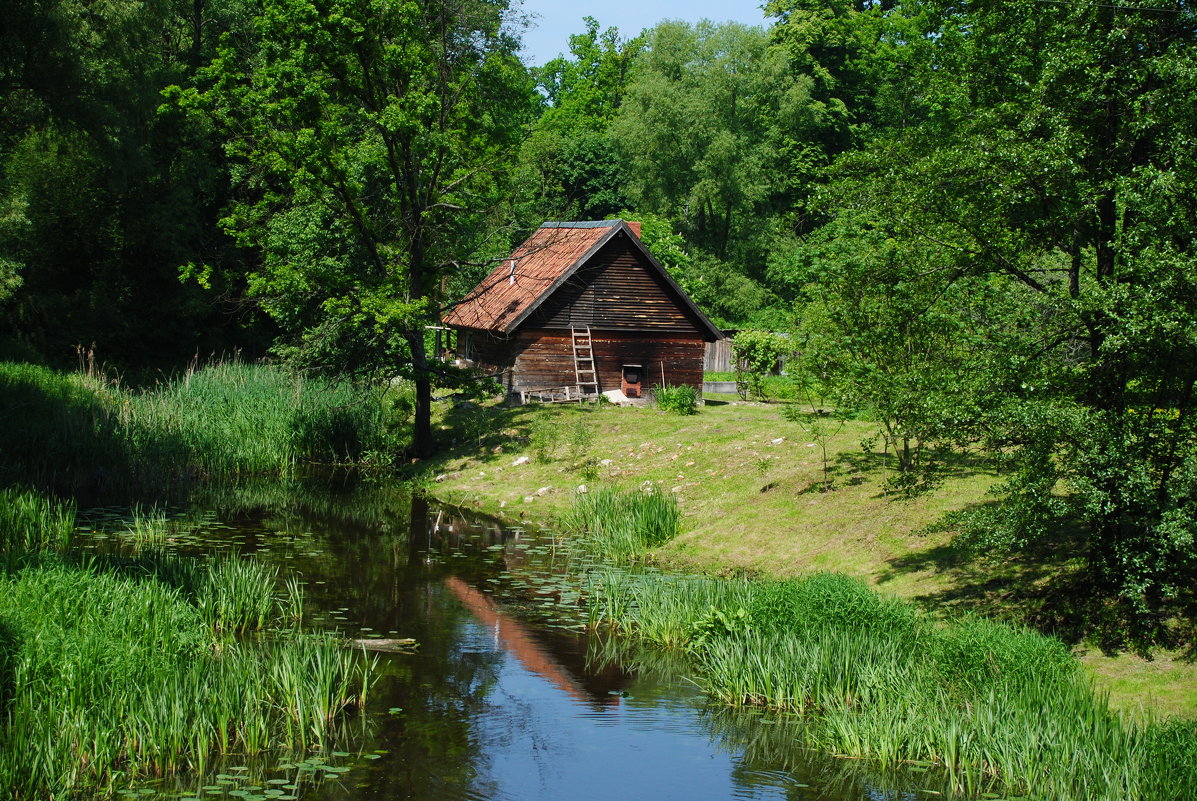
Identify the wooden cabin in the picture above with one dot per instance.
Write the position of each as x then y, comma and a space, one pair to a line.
579, 309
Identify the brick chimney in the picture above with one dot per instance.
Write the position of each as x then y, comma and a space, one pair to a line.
635, 226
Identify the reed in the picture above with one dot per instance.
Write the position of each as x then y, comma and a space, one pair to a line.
30, 521
238, 595
148, 527
992, 707
107, 677
225, 419
624, 525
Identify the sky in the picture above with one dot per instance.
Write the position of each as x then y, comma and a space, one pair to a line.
557, 20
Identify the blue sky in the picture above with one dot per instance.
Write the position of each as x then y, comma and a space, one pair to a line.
550, 32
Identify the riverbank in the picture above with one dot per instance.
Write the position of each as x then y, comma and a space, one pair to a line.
117, 671
86, 431
750, 485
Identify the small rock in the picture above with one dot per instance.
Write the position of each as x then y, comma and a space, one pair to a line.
520, 461
497, 449
777, 441
544, 491
678, 488
441, 477
481, 474
605, 462
689, 464
502, 504
529, 498
582, 489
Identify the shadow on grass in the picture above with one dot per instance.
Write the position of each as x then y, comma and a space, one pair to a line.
487, 433
57, 434
1049, 586
852, 467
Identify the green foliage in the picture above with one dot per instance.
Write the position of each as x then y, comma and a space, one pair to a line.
545, 440
28, 520
830, 600
225, 419
681, 400
108, 678
238, 595
624, 525
758, 355
382, 131
978, 654
695, 129
1012, 268
102, 196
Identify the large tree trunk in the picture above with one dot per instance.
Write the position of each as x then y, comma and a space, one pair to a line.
422, 443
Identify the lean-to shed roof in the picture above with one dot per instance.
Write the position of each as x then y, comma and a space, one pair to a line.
554, 252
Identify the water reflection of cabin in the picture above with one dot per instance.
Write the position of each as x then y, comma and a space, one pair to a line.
572, 307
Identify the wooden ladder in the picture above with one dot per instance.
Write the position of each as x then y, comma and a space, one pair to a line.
584, 372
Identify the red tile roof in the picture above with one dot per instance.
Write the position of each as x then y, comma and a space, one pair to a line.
536, 267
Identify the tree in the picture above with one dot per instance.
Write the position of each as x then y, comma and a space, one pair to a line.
895, 334
1055, 162
693, 129
570, 167
102, 196
371, 138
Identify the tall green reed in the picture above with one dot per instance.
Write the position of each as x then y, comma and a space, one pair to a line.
993, 707
106, 677
28, 520
623, 525
225, 419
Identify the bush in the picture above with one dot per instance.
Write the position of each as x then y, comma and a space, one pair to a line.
676, 400
758, 354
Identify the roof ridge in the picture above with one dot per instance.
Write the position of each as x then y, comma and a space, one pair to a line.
580, 224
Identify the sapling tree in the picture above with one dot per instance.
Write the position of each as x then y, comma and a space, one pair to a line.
757, 354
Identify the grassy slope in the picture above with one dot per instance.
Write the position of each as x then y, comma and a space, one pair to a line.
752, 505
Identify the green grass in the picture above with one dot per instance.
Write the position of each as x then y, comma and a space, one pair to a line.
30, 521
114, 669
107, 678
624, 525
993, 707
226, 419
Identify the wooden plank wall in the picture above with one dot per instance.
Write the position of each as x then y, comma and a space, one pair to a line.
616, 290
719, 357
539, 359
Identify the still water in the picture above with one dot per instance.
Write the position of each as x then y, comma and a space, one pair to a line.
507, 697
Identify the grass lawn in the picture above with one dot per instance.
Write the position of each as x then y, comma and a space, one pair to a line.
751, 487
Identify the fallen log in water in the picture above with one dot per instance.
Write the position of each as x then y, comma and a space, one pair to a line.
404, 645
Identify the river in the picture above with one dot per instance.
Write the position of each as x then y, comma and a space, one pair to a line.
506, 697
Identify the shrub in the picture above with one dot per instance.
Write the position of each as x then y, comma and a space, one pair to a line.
676, 400
757, 355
